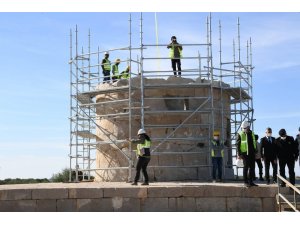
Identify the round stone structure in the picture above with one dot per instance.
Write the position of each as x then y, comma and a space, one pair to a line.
179, 115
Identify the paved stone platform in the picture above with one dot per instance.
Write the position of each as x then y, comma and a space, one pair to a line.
120, 196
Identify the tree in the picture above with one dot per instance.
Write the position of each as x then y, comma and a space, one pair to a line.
63, 176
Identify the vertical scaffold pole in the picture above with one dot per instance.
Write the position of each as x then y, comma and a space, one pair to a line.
130, 104
89, 89
71, 106
251, 81
142, 72
239, 40
77, 105
222, 100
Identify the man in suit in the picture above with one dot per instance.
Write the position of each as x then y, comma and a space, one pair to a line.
268, 151
297, 140
287, 153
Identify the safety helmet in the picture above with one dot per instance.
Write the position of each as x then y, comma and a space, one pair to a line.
141, 131
106, 53
216, 133
245, 124
282, 132
118, 60
173, 37
239, 163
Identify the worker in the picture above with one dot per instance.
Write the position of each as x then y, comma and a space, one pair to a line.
126, 73
143, 155
106, 67
269, 155
115, 70
217, 155
175, 55
287, 155
246, 150
297, 140
258, 159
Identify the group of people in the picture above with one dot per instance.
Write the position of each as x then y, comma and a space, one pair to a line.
107, 67
283, 150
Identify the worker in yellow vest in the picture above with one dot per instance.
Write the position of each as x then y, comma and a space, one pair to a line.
175, 55
143, 155
106, 67
217, 155
126, 73
246, 150
115, 70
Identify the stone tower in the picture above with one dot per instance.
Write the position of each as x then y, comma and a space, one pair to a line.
179, 115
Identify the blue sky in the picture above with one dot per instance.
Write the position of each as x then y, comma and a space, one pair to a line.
35, 74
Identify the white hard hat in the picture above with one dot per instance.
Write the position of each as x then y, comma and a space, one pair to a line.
239, 163
106, 53
141, 131
245, 124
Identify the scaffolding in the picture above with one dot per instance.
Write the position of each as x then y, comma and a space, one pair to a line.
231, 78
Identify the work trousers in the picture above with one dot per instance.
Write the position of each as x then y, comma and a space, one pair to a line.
260, 167
267, 169
142, 164
178, 63
217, 163
249, 166
106, 74
291, 166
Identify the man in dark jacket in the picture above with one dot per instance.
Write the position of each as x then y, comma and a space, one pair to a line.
246, 150
287, 153
175, 55
268, 151
297, 140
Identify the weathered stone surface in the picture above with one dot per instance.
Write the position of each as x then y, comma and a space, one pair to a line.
219, 191
211, 204
172, 204
193, 191
188, 204
236, 204
260, 191
46, 205
132, 192
126, 204
15, 194
166, 196
66, 205
50, 193
176, 103
155, 205
269, 204
18, 206
95, 205
160, 192
85, 193
163, 174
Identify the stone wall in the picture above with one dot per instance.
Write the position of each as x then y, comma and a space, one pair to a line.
176, 103
95, 197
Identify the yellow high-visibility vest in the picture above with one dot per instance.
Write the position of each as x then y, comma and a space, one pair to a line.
107, 64
172, 51
244, 141
214, 146
140, 147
